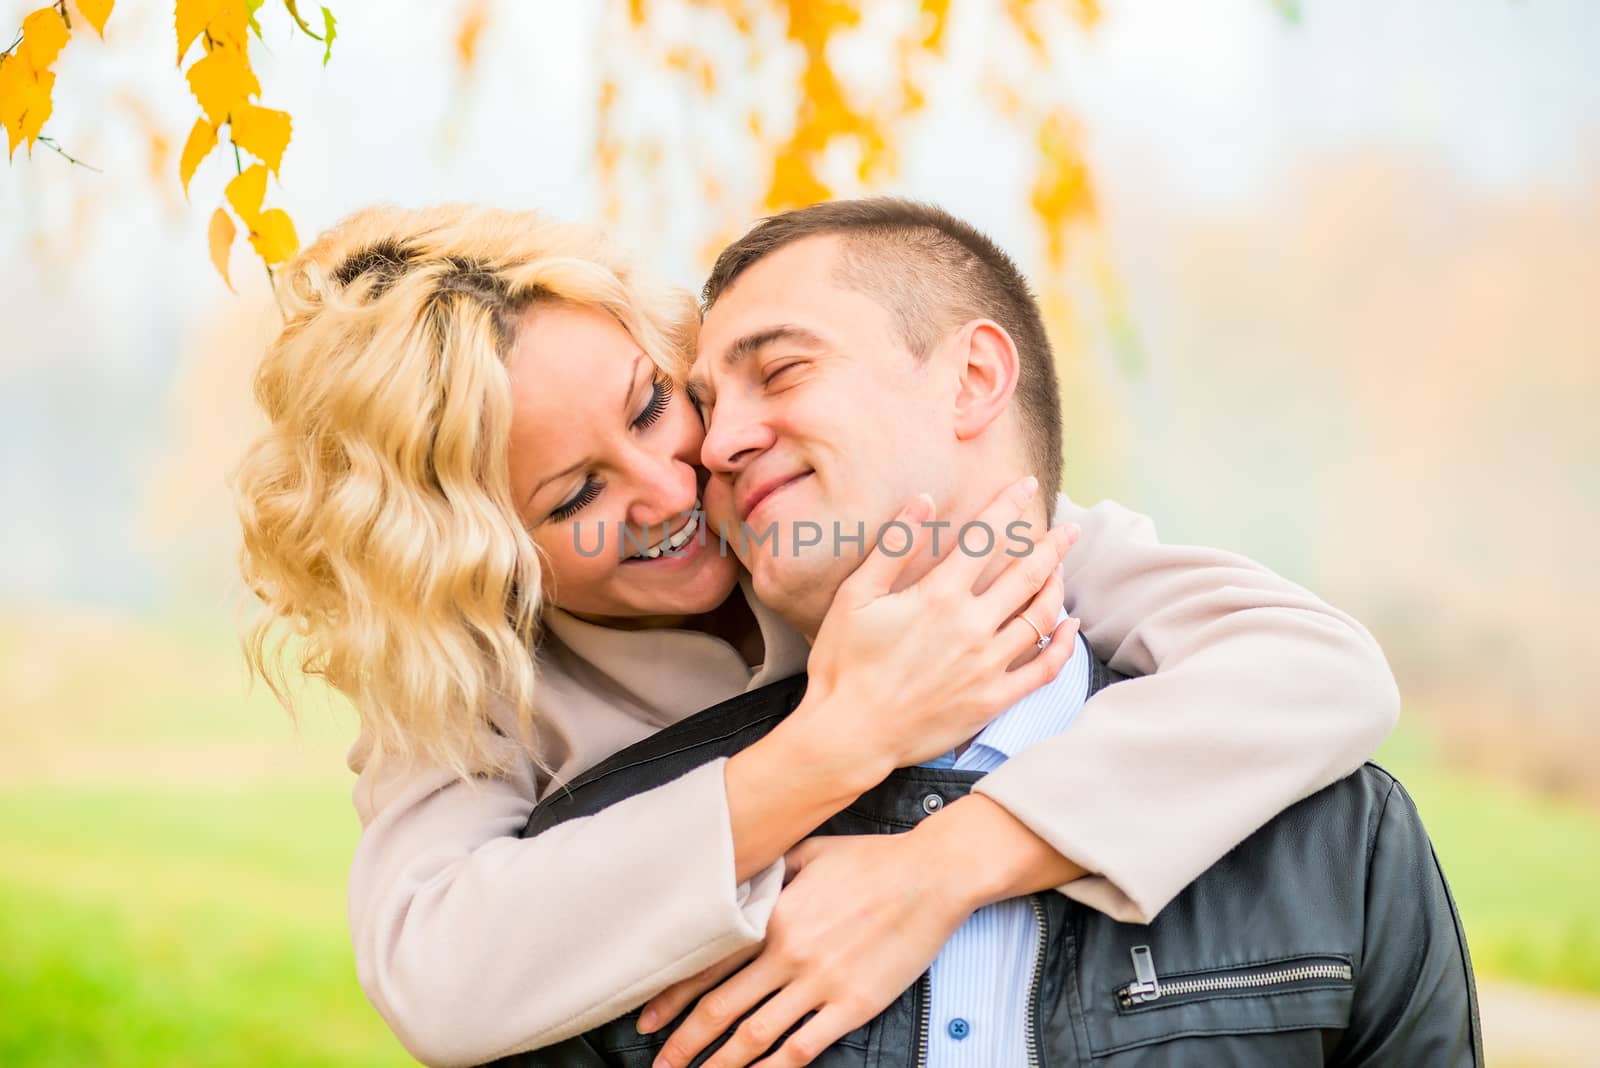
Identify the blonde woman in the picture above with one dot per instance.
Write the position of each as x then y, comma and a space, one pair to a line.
410, 519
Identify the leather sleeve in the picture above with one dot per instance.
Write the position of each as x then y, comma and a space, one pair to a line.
1415, 1001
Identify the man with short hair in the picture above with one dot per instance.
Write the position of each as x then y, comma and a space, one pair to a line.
855, 354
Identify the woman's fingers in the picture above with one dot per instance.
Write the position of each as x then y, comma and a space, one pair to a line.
1017, 587
894, 548
1023, 632
674, 999
830, 1024
762, 1028
967, 550
1045, 667
717, 1010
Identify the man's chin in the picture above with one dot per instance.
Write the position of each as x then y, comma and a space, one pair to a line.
799, 589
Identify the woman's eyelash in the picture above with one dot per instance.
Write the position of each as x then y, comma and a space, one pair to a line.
772, 375
660, 394
591, 490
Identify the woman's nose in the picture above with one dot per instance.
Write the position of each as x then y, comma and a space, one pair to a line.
664, 489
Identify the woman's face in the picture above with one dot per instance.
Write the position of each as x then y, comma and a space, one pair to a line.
605, 450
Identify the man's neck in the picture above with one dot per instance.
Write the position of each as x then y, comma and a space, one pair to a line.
1004, 548
1036, 517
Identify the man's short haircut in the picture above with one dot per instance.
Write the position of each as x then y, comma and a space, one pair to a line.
932, 272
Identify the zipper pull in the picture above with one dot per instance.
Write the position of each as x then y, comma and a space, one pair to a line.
1145, 986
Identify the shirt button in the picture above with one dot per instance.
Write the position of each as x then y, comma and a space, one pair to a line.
932, 803
959, 1029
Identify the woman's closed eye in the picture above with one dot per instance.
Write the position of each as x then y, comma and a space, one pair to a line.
584, 497
655, 407
660, 397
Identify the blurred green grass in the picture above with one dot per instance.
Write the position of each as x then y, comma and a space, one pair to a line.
1524, 869
173, 888
179, 927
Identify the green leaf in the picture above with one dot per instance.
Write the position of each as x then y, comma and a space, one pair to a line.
251, 7
294, 12
1289, 9
329, 32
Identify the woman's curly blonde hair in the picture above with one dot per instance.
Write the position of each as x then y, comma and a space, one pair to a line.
380, 534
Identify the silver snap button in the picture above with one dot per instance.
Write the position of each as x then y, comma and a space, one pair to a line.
932, 803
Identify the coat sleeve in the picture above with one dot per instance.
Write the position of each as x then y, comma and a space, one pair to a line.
1415, 1000
474, 943
1252, 695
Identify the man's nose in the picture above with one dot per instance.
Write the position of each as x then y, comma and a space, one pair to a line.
735, 435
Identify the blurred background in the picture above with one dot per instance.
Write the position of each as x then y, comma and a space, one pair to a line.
1325, 282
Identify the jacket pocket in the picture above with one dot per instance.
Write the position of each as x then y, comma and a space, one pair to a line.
1305, 992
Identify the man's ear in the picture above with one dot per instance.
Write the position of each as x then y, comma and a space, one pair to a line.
985, 360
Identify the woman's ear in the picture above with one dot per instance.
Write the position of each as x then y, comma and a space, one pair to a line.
986, 370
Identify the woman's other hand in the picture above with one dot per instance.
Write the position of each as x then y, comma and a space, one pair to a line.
861, 919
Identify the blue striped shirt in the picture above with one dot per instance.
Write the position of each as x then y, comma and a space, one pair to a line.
982, 977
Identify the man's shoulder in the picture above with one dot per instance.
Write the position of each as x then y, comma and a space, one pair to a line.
1354, 806
721, 730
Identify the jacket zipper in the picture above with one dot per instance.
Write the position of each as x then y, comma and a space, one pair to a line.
1035, 1053
1147, 986
924, 1011
925, 996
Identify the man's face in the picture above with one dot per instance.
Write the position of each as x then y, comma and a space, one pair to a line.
817, 414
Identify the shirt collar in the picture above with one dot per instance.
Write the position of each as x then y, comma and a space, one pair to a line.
1043, 713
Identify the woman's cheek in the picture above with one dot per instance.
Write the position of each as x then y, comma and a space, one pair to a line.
570, 560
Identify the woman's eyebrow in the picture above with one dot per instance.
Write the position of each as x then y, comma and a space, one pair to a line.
542, 483
633, 376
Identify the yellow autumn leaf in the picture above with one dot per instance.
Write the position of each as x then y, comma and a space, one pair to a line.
229, 25
26, 115
190, 21
262, 132
468, 35
202, 139
43, 35
246, 192
95, 13
220, 238
160, 154
1062, 190
794, 184
222, 81
273, 237
14, 76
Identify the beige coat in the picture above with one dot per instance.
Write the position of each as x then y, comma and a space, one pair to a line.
473, 943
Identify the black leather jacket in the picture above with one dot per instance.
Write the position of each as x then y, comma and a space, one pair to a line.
1327, 937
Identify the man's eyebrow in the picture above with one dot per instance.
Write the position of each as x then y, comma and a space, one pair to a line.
753, 343
749, 345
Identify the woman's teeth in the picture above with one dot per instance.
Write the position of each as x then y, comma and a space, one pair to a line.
676, 541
